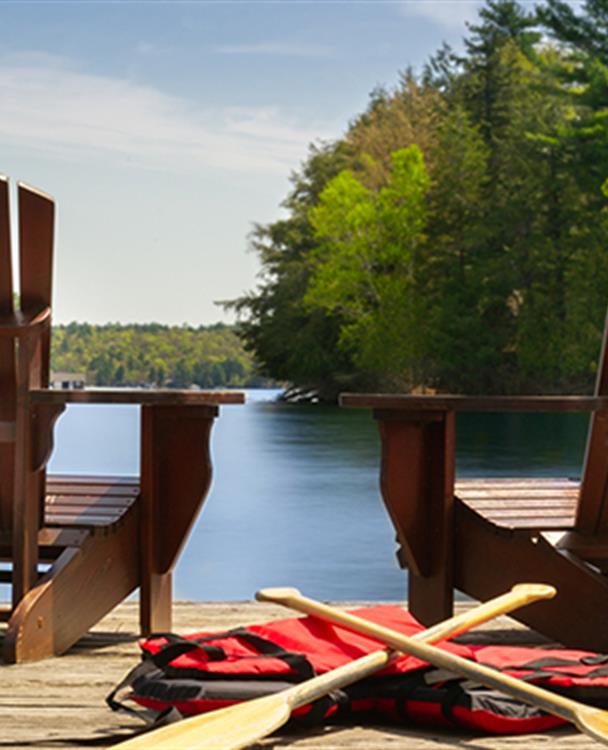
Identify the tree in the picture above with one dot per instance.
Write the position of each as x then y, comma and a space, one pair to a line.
290, 340
151, 353
580, 70
363, 267
504, 24
495, 279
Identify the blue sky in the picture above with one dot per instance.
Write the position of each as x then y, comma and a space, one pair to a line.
166, 129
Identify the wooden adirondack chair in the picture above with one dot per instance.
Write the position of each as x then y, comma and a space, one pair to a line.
482, 536
99, 537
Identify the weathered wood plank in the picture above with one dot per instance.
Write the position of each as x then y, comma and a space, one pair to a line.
486, 506
492, 492
99, 490
528, 523
537, 482
110, 509
89, 501
525, 525
95, 479
80, 519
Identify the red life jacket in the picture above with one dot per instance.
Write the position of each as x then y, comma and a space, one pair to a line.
207, 671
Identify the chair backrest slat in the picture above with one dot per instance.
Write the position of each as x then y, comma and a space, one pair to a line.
6, 271
36, 231
7, 360
592, 512
36, 237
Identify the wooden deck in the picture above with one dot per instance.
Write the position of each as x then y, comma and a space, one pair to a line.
59, 703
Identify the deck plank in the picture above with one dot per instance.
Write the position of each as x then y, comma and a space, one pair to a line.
60, 702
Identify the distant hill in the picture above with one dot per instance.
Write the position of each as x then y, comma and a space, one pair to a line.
153, 354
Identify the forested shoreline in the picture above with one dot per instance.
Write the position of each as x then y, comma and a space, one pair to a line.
455, 237
153, 355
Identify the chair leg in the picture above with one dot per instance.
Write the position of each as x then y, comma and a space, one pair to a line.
175, 478
155, 603
419, 495
431, 598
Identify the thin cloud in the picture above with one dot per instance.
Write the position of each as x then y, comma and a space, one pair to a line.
280, 49
146, 48
451, 14
47, 104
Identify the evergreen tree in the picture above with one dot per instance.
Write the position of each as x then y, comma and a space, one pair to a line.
581, 75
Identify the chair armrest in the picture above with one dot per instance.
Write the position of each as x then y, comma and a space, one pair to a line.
397, 402
158, 397
49, 404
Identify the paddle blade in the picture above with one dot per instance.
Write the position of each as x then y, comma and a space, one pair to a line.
229, 728
594, 722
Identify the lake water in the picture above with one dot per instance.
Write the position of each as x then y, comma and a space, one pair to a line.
295, 499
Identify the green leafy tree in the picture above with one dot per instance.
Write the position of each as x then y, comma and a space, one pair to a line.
364, 267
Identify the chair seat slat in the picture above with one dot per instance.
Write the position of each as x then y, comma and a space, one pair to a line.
522, 504
56, 488
89, 501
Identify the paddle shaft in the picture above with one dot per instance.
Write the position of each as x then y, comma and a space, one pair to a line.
558, 705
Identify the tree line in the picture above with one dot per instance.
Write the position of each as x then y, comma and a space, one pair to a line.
455, 237
153, 355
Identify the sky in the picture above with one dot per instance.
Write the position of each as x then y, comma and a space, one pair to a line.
166, 130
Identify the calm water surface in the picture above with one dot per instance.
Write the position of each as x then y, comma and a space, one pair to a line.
295, 497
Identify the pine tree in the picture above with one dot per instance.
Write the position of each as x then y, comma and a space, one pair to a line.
581, 72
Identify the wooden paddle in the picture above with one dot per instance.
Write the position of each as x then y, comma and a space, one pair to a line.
591, 721
244, 723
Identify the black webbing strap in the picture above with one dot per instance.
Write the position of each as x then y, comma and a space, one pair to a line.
176, 646
144, 668
544, 668
320, 708
555, 661
452, 695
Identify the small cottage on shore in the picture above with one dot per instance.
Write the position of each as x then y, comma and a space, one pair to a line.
64, 380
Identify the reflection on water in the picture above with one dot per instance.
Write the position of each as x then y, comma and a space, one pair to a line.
295, 495
541, 445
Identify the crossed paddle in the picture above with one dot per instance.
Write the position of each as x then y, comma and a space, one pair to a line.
243, 724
